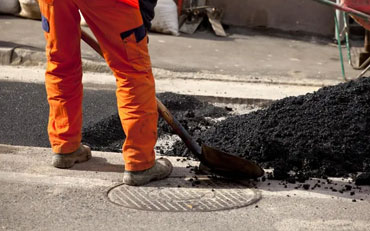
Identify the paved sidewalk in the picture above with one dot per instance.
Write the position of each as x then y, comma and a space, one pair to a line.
211, 90
247, 57
36, 196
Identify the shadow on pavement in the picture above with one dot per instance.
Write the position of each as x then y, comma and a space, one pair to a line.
99, 164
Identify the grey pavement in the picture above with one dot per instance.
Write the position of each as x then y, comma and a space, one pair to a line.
36, 196
244, 55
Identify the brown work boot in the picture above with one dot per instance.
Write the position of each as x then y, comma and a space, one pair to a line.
82, 154
161, 169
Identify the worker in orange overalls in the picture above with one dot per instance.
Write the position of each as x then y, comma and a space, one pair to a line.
119, 28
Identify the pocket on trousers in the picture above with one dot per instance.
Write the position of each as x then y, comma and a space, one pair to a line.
136, 48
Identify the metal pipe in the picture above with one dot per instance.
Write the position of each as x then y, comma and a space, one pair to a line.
346, 31
340, 48
339, 14
363, 72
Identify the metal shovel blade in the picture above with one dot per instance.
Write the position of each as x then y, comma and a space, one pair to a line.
216, 161
228, 165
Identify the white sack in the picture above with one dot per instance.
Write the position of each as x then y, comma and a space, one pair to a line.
30, 9
165, 19
83, 21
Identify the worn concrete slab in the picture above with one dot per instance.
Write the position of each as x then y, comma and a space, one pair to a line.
249, 56
5, 55
35, 196
212, 88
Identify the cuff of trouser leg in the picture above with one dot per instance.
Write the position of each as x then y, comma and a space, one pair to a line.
65, 149
139, 167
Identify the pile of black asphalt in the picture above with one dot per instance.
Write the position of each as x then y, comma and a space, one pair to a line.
321, 134
194, 115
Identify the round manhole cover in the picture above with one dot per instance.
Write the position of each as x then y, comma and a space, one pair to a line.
184, 195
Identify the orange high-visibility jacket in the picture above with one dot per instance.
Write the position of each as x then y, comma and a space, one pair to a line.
134, 3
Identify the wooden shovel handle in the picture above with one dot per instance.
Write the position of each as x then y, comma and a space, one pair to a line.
179, 129
91, 42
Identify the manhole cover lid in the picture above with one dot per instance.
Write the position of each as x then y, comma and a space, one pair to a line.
184, 195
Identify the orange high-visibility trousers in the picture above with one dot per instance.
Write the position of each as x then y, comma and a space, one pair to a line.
122, 37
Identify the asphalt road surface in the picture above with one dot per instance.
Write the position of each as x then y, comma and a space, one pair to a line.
24, 112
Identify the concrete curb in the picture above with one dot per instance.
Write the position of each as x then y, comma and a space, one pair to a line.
32, 57
29, 56
196, 84
21, 56
211, 87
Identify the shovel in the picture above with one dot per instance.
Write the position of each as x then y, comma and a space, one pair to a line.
214, 160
